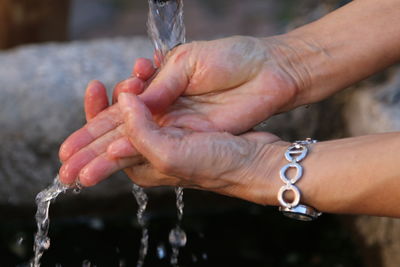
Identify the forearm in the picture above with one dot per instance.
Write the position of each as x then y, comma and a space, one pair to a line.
342, 48
355, 175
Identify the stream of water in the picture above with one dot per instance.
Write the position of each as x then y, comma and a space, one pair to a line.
141, 200
43, 200
165, 25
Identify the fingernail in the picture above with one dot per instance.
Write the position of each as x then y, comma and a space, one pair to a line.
65, 176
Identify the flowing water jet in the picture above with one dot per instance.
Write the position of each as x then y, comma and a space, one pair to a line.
43, 200
165, 25
141, 200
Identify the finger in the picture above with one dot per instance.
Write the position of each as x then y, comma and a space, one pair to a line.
144, 69
121, 148
143, 132
102, 167
70, 169
132, 85
96, 99
105, 122
170, 82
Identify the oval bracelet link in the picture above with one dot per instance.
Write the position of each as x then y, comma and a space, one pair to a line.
296, 199
295, 150
299, 173
295, 154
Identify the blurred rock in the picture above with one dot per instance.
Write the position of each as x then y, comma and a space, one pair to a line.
380, 240
376, 109
41, 93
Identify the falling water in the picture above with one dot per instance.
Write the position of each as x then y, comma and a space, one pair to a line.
141, 199
167, 30
177, 236
43, 200
165, 25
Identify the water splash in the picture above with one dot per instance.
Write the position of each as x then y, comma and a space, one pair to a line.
43, 200
142, 200
165, 25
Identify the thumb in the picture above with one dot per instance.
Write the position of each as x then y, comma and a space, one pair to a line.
143, 132
171, 81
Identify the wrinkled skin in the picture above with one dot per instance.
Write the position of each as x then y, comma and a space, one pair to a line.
227, 85
218, 162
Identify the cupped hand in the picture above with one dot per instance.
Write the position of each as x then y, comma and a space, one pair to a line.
224, 85
229, 84
172, 156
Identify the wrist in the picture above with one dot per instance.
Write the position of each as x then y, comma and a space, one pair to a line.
265, 173
341, 48
266, 181
303, 60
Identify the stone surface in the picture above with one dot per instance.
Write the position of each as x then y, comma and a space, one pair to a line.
41, 93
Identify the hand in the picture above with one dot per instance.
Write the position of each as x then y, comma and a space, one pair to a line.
229, 85
218, 162
231, 81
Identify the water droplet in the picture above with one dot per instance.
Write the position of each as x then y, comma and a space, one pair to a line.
45, 243
204, 256
177, 237
96, 224
161, 252
77, 191
86, 263
20, 240
78, 188
161, 3
194, 258
122, 263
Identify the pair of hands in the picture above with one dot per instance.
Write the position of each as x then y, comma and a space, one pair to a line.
177, 126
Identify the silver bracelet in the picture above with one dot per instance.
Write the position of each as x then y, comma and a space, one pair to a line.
294, 154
